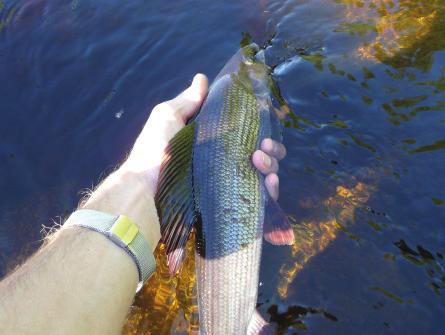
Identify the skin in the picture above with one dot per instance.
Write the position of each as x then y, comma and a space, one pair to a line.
79, 282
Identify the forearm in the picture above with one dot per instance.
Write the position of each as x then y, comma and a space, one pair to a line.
80, 282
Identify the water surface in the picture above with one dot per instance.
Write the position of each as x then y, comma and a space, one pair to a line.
363, 181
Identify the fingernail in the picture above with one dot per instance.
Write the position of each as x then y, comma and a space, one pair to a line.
266, 160
267, 145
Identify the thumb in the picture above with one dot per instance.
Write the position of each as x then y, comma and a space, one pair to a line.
188, 102
165, 121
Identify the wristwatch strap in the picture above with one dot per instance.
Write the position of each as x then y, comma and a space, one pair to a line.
123, 232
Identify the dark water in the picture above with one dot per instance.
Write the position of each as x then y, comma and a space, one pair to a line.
363, 180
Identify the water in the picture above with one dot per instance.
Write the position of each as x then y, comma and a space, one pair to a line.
363, 179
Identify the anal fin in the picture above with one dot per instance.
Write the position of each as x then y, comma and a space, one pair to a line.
174, 196
277, 229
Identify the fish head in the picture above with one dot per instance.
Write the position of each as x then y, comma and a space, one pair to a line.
249, 67
254, 71
258, 77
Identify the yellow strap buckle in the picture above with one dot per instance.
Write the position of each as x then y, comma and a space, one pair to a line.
125, 229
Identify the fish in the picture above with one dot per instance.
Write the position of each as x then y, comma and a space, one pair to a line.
207, 182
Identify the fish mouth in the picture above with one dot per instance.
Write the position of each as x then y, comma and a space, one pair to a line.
253, 56
249, 52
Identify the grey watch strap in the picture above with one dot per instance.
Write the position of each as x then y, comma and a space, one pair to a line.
123, 232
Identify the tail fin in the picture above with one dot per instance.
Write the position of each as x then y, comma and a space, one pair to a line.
259, 326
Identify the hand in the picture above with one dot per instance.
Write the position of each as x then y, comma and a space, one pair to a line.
266, 161
164, 122
130, 190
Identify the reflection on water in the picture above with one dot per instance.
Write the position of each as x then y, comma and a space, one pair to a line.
167, 304
312, 237
407, 32
424, 258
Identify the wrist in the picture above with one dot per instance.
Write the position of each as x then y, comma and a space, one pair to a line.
122, 232
127, 172
128, 193
146, 170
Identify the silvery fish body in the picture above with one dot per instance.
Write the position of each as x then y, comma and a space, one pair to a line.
227, 198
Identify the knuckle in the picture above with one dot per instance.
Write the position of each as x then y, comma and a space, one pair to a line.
167, 111
159, 109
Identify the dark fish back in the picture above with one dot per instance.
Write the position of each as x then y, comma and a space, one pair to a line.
228, 190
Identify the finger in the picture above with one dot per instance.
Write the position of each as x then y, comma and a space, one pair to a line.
273, 148
272, 184
264, 163
186, 104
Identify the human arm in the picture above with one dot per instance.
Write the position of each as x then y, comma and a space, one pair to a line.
80, 282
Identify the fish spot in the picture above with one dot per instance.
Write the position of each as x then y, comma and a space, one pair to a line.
244, 199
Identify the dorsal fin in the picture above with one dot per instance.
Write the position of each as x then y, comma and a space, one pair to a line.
174, 196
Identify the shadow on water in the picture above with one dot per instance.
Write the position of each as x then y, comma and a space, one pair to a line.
291, 318
363, 182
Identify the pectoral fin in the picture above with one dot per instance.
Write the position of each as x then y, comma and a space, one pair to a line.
174, 196
277, 229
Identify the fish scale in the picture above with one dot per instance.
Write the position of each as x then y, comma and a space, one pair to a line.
227, 268
228, 192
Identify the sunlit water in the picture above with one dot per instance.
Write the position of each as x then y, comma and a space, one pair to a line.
363, 182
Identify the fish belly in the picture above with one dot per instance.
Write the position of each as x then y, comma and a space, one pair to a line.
227, 289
